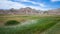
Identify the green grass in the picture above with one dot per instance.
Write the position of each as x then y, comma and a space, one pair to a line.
20, 18
42, 24
12, 22
53, 30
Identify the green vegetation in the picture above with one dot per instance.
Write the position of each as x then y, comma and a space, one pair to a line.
53, 30
12, 22
20, 18
42, 24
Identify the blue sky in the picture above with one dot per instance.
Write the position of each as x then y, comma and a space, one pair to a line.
35, 4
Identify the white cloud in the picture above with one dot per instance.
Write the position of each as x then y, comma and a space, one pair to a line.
38, 8
5, 4
25, 0
22, 0
3, 0
40, 4
55, 0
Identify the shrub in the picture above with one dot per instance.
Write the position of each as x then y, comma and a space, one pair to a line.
12, 22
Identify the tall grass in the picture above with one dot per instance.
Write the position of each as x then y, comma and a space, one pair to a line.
41, 25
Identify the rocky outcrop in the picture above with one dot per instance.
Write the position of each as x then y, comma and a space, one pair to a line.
26, 10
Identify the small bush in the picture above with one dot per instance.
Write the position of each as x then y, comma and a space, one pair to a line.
12, 22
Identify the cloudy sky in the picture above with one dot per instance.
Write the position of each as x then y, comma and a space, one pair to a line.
36, 4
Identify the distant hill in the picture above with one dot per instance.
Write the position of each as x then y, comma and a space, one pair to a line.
53, 12
30, 11
26, 10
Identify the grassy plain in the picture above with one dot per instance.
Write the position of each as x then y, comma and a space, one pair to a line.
40, 25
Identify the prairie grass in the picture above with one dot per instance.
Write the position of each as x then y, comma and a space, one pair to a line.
42, 24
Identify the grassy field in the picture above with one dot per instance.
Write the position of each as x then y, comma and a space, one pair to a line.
41, 25
19, 18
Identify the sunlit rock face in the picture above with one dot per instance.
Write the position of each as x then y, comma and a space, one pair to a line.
30, 11
26, 10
